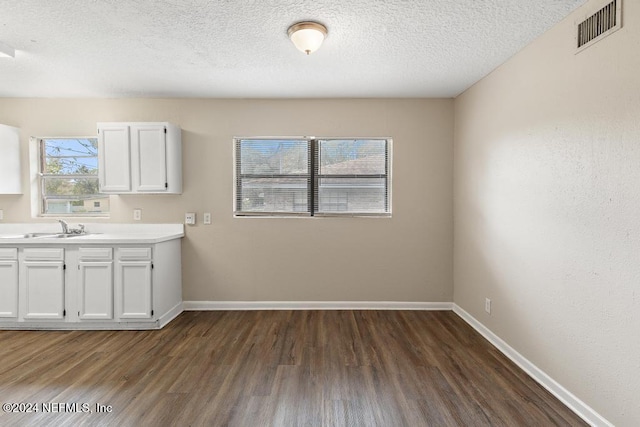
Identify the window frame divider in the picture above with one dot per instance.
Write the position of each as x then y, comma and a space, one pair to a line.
313, 180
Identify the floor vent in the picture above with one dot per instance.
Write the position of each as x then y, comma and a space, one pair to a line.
599, 25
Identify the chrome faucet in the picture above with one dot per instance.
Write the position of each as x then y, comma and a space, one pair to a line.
67, 230
65, 226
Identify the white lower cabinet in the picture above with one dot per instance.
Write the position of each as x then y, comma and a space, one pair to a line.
42, 293
8, 282
93, 287
134, 283
95, 284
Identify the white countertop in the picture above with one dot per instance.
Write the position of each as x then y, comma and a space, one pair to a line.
11, 234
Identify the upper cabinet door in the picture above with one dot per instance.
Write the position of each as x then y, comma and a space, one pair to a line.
149, 157
143, 158
114, 158
10, 179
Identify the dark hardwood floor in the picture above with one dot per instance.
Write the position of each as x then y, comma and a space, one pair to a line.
274, 368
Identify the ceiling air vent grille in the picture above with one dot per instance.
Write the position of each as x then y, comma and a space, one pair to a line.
599, 25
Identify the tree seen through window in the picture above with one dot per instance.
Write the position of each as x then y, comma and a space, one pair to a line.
69, 172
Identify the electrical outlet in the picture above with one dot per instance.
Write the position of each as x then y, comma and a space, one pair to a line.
206, 218
1, 214
487, 305
137, 214
190, 218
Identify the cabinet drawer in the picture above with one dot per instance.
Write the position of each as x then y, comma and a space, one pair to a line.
44, 254
95, 254
8, 253
134, 254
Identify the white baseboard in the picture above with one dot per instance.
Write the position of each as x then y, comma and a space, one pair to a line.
170, 315
315, 305
583, 410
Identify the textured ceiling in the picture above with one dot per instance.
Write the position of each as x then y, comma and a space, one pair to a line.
226, 48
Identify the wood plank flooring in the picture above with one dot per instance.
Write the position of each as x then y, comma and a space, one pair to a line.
274, 368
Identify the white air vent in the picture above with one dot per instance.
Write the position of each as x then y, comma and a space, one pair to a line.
598, 25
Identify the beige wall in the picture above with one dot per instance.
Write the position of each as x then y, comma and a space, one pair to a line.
405, 258
547, 210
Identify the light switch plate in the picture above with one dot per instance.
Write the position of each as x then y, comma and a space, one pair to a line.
206, 218
190, 218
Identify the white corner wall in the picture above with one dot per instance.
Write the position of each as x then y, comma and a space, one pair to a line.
547, 210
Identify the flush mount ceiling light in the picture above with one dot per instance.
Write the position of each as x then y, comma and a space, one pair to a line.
307, 36
7, 51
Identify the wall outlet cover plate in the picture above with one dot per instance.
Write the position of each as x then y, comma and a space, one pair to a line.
190, 218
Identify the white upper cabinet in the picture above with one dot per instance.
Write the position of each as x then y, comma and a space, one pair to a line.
140, 158
114, 158
150, 155
10, 180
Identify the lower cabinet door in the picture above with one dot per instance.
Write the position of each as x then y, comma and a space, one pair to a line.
134, 285
44, 290
95, 287
8, 288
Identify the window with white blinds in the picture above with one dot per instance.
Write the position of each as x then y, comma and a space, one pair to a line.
312, 177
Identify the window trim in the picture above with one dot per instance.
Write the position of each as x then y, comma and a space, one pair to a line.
314, 176
37, 163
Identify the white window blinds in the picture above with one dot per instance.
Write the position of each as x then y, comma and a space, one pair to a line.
352, 176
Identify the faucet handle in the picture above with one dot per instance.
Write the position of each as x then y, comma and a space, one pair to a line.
81, 228
65, 226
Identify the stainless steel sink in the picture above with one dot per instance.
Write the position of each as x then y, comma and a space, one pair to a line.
61, 235
45, 236
28, 235
36, 235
